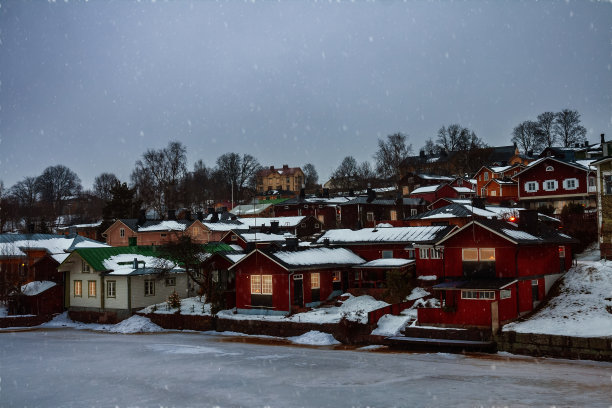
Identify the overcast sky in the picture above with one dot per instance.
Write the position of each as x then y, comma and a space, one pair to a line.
92, 85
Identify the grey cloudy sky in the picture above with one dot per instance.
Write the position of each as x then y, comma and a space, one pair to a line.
92, 85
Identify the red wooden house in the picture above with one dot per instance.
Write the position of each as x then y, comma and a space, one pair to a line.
495, 270
276, 282
399, 242
488, 173
324, 209
249, 240
436, 191
552, 182
300, 226
500, 190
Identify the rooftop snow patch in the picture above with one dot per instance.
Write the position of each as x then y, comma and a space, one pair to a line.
267, 221
123, 264
164, 226
522, 235
387, 262
426, 189
397, 234
36, 287
319, 256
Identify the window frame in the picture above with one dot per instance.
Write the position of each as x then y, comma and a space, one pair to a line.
85, 268
425, 252
505, 294
535, 184
469, 294
171, 281
256, 285
435, 253
486, 294
482, 258
77, 284
370, 216
92, 290
122, 232
149, 287
111, 289
573, 181
555, 185
315, 280
464, 251
336, 276
385, 254
267, 285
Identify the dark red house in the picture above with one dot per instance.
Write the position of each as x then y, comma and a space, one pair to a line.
494, 271
552, 182
277, 282
369, 211
300, 226
434, 192
323, 209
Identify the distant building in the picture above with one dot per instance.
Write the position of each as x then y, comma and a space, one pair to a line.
283, 179
604, 204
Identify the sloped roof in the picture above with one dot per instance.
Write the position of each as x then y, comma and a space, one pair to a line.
284, 171
386, 235
535, 163
427, 189
364, 200
266, 221
315, 257
248, 209
387, 263
14, 245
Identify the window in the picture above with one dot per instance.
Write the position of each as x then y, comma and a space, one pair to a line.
487, 254
486, 176
286, 207
505, 294
423, 253
493, 193
111, 289
531, 186
370, 216
315, 280
410, 253
550, 185
302, 225
489, 294
78, 288
305, 205
482, 192
336, 276
122, 232
256, 284
234, 238
317, 226
261, 284
172, 281
393, 215
266, 284
591, 181
413, 211
91, 288
469, 294
435, 253
387, 254
561, 251
550, 168
149, 287
570, 184
357, 275
469, 254
607, 187
85, 267
214, 276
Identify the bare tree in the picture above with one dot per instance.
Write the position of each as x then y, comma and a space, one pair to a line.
345, 176
157, 176
430, 147
103, 185
239, 172
567, 128
56, 184
546, 123
311, 177
527, 136
453, 138
390, 155
196, 186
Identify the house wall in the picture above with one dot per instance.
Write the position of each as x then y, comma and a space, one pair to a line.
113, 234
496, 193
445, 191
258, 264
162, 291
74, 273
373, 251
604, 211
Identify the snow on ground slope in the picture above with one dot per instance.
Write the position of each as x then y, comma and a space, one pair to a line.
314, 338
390, 325
583, 307
189, 306
134, 324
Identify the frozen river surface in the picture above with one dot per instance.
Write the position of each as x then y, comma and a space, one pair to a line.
72, 368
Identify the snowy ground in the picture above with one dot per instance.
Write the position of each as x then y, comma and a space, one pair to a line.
77, 368
583, 307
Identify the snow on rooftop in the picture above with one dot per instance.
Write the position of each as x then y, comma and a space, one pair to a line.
224, 226
261, 237
522, 235
169, 225
266, 221
425, 189
500, 169
36, 287
463, 189
319, 256
235, 257
387, 262
55, 245
122, 264
396, 234
94, 225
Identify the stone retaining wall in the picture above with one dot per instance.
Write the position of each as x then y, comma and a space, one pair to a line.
182, 322
590, 348
24, 321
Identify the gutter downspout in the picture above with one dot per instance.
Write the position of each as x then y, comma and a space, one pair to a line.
289, 291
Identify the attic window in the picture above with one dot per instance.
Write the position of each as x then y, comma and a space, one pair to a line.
122, 232
550, 168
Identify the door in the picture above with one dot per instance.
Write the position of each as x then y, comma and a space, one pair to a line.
298, 291
494, 317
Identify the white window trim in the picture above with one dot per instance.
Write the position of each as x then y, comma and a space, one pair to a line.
555, 185
505, 294
435, 253
111, 289
536, 185
469, 294
550, 168
567, 181
480, 255
266, 281
463, 251
122, 232
424, 253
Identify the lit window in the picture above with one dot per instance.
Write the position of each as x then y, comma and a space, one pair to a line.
493, 193
149, 287
370, 216
423, 253
171, 281
315, 280
387, 254
111, 289
91, 288
78, 288
561, 251
215, 276
336, 276
469, 294
256, 284
122, 232
85, 267
505, 294
393, 215
469, 254
266, 284
487, 254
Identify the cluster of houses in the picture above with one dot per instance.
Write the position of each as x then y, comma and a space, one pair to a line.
477, 244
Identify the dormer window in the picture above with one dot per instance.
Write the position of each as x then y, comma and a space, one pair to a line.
550, 168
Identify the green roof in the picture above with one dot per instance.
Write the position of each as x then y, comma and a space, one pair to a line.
270, 201
95, 257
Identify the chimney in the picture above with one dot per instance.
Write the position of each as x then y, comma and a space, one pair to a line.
326, 242
142, 217
530, 153
215, 217
603, 138
272, 168
291, 243
528, 220
274, 227
371, 195
604, 146
200, 216
422, 153
135, 263
302, 193
285, 167
171, 215
210, 210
